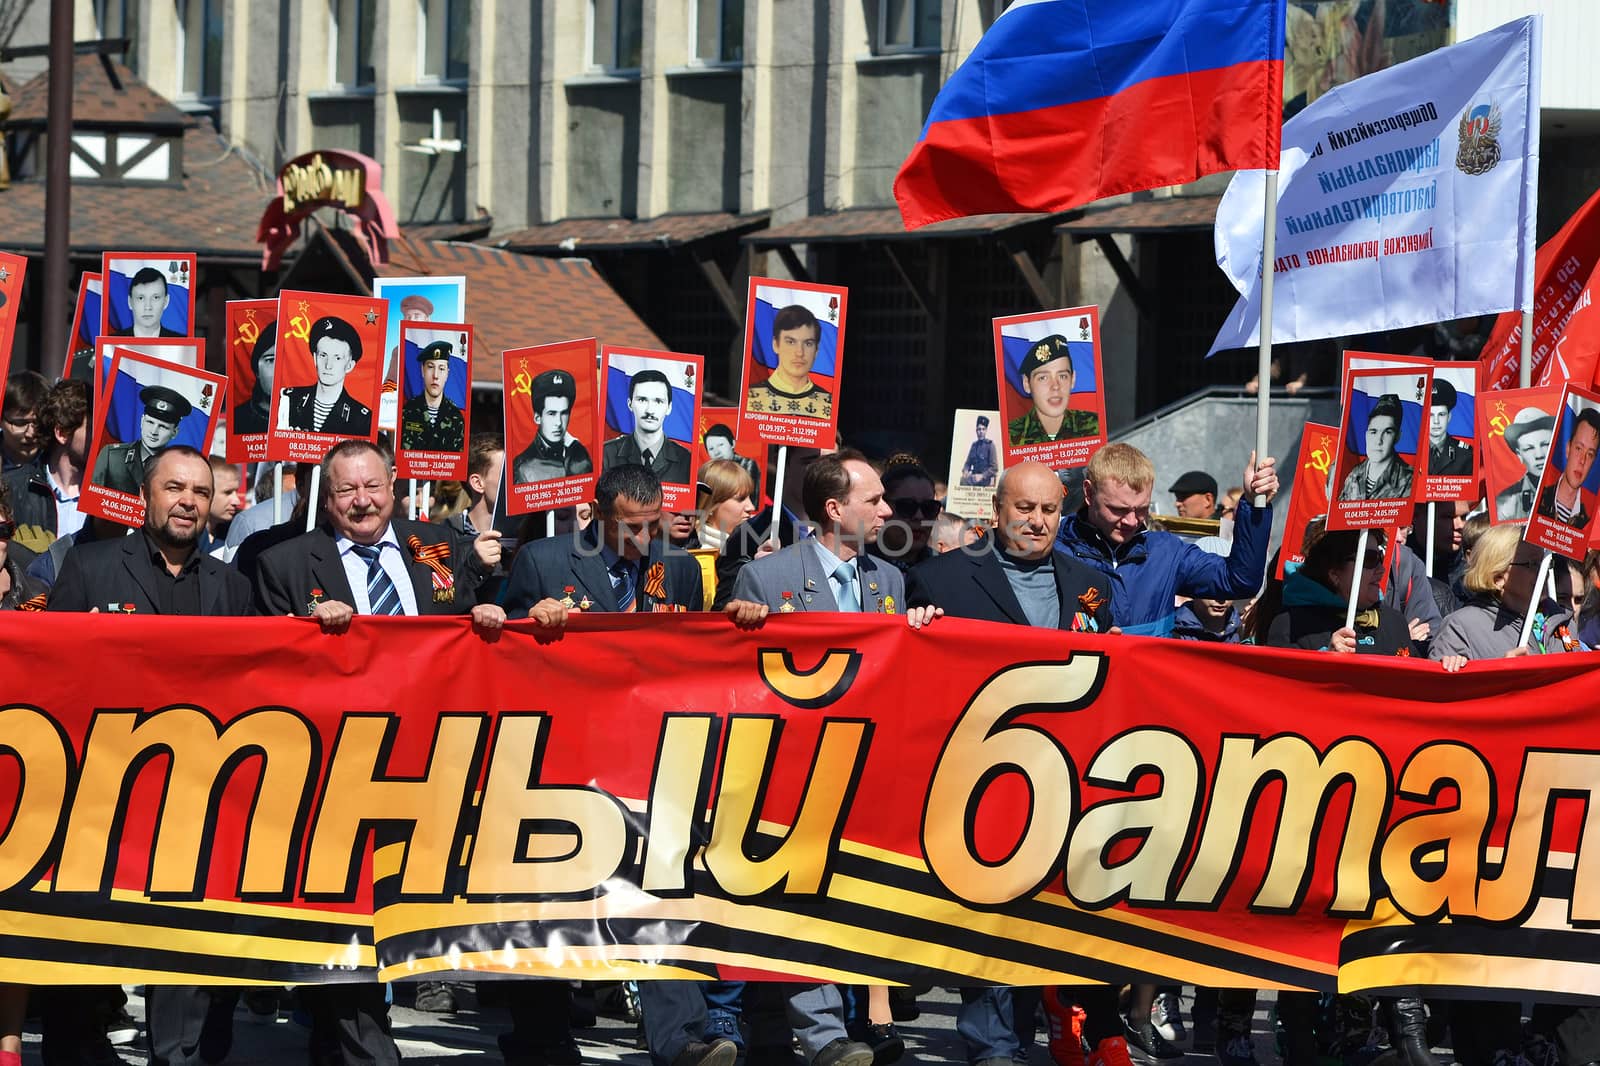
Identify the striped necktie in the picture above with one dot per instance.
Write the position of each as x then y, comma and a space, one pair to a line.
383, 597
626, 581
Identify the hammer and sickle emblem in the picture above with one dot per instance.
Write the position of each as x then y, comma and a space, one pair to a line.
300, 328
522, 384
249, 331
1497, 425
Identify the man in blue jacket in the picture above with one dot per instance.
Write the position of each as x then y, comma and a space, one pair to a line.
1148, 568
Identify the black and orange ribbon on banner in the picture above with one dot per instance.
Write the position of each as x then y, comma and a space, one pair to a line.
855, 801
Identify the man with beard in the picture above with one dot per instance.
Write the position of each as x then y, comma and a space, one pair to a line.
157, 570
650, 401
255, 415
122, 467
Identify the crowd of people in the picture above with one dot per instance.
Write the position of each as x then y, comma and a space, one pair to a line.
846, 533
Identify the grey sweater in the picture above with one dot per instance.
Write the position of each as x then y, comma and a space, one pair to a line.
1484, 629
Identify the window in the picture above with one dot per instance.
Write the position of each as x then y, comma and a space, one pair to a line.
200, 45
718, 31
907, 25
991, 11
444, 39
616, 34
352, 26
118, 19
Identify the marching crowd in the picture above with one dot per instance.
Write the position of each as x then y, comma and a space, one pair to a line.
846, 534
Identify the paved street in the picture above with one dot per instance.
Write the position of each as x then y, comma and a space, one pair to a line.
468, 1036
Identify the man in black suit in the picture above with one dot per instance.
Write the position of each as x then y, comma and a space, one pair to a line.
617, 564
159, 570
365, 561
326, 407
1015, 575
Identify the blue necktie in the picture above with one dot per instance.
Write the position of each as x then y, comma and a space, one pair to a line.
845, 575
626, 579
382, 596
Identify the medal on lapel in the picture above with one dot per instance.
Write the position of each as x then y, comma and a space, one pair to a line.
585, 603
433, 556
128, 608
888, 603
316, 598
788, 603
566, 600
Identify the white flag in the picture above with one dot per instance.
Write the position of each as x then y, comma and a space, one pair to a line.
1405, 197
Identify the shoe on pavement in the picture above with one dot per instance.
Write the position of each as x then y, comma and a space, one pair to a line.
844, 1052
1145, 1045
717, 1053
1237, 1051
435, 997
885, 1041
1167, 1016
1112, 1051
121, 1028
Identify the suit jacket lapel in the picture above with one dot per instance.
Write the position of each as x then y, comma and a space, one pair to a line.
136, 559
813, 582
871, 590
589, 573
991, 578
327, 570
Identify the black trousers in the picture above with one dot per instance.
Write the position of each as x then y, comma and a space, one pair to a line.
177, 1017
349, 1025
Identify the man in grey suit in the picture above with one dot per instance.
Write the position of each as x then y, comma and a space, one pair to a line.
831, 571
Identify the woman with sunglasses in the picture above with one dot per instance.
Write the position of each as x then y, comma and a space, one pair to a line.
908, 490
1316, 596
1499, 581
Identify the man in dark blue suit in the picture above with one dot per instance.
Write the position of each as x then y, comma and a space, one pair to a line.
1015, 575
617, 564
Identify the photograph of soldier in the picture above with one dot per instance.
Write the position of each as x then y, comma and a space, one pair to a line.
326, 407
789, 389
1528, 437
254, 415
718, 441
650, 402
982, 464
1383, 474
121, 467
429, 421
1047, 379
1446, 454
147, 302
555, 452
1563, 501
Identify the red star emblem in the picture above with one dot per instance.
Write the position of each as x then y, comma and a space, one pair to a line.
305, 308
372, 317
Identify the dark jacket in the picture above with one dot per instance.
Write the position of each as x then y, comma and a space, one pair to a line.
290, 575
111, 574
546, 568
672, 464
347, 419
970, 583
742, 545
1186, 625
33, 501
1153, 567
1312, 612
26, 593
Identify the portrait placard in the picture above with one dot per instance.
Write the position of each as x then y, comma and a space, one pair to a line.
1515, 428
718, 438
1382, 433
150, 405
793, 359
12, 270
974, 464
80, 364
1452, 466
1308, 496
252, 332
147, 294
413, 299
1052, 401
651, 402
1564, 506
325, 384
552, 420
436, 383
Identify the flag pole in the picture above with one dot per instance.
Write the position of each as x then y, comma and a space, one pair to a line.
1530, 200
1525, 362
1357, 576
1269, 243
1533, 603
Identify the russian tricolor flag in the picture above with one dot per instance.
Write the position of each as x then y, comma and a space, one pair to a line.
1068, 101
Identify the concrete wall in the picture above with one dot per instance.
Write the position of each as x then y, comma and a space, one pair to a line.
706, 129
602, 149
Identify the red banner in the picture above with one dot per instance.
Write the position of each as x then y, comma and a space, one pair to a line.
840, 798
1562, 275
